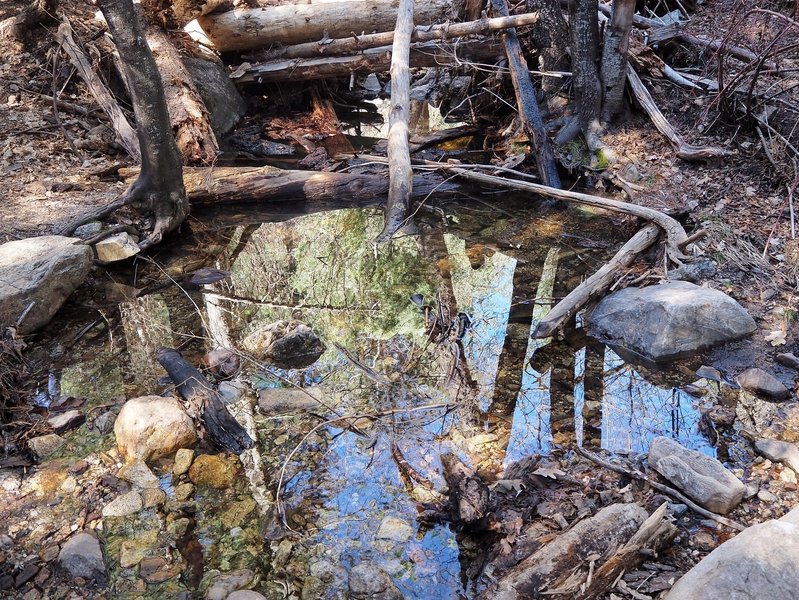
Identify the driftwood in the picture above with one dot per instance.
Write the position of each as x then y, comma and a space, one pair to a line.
526, 102
126, 135
468, 494
400, 174
358, 43
659, 487
684, 150
560, 568
597, 284
231, 185
289, 24
372, 60
223, 429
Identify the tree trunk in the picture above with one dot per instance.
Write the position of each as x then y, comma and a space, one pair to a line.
159, 188
399, 157
587, 89
614, 58
247, 29
550, 36
187, 112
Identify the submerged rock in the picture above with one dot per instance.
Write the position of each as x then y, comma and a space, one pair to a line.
395, 529
213, 471
124, 505
370, 582
280, 401
45, 445
61, 422
663, 322
700, 477
152, 426
758, 381
759, 562
223, 585
38, 274
82, 556
285, 344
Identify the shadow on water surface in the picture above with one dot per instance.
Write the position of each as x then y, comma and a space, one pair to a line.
455, 372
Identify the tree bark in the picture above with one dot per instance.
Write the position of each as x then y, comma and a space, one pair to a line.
288, 24
550, 36
614, 58
526, 103
587, 89
158, 191
399, 157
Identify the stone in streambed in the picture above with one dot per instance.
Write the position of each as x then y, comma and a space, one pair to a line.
762, 383
152, 426
82, 556
776, 450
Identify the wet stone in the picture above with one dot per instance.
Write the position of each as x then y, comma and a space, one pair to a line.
238, 512
82, 557
183, 460
156, 570
139, 474
788, 360
761, 383
153, 497
367, 581
131, 554
285, 344
78, 468
213, 470
280, 401
231, 391
65, 421
395, 529
223, 585
124, 505
46, 445
184, 491
784, 452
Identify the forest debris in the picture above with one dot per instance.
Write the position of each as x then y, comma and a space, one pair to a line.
526, 103
598, 283
468, 494
400, 174
684, 150
125, 133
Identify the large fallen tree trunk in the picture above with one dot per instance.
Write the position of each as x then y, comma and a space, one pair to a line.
372, 60
357, 43
287, 24
224, 430
231, 185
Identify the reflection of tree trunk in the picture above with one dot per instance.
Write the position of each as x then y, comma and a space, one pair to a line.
594, 390
147, 326
561, 399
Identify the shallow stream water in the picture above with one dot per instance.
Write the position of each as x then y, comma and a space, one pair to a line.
480, 388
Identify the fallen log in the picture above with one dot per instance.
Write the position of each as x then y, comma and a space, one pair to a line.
125, 133
684, 150
288, 24
372, 60
232, 185
400, 174
597, 284
223, 429
529, 114
359, 43
561, 567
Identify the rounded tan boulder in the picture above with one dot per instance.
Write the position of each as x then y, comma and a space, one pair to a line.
153, 426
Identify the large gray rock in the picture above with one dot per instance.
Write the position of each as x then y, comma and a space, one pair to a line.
759, 562
285, 344
220, 96
762, 383
776, 450
36, 276
663, 322
702, 478
152, 426
82, 556
369, 582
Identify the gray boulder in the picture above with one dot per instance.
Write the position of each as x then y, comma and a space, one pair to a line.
783, 452
759, 562
82, 556
761, 383
36, 277
285, 344
663, 322
700, 477
220, 96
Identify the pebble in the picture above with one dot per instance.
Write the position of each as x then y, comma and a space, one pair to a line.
766, 496
183, 460
184, 491
153, 497
139, 474
124, 505
212, 470
223, 585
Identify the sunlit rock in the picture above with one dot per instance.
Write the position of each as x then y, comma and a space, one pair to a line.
213, 471
779, 451
370, 582
124, 505
46, 445
761, 383
115, 248
702, 478
139, 474
285, 344
183, 459
223, 585
36, 277
663, 322
281, 401
759, 562
82, 556
152, 426
395, 529
61, 422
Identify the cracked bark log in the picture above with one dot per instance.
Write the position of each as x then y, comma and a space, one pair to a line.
526, 103
684, 150
247, 29
223, 429
358, 43
614, 58
231, 185
400, 174
372, 60
125, 133
597, 284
